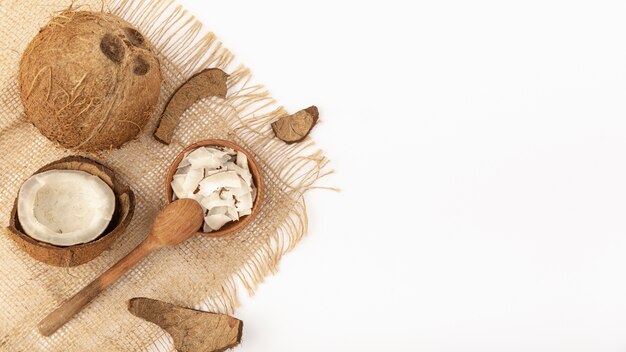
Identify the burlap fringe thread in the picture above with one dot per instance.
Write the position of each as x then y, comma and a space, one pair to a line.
248, 112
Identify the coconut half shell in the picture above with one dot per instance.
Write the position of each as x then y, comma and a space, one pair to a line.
81, 253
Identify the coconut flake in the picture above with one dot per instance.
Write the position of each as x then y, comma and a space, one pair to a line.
183, 170
244, 202
185, 162
194, 176
209, 172
203, 158
214, 200
245, 212
218, 211
216, 221
178, 183
226, 194
221, 155
243, 188
216, 181
253, 193
232, 213
244, 174
197, 197
242, 161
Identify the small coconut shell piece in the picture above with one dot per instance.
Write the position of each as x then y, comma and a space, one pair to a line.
294, 128
192, 330
207, 83
81, 253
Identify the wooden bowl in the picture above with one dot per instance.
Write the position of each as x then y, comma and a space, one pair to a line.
257, 178
84, 252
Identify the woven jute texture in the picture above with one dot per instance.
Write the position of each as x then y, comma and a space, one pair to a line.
203, 273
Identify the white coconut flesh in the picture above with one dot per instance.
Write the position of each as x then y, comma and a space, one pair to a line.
65, 207
220, 180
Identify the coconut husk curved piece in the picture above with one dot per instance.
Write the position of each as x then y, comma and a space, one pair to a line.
204, 84
81, 253
192, 330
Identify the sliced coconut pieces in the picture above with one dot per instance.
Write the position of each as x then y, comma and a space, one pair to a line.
243, 173
242, 160
226, 179
65, 207
214, 201
192, 178
202, 158
220, 180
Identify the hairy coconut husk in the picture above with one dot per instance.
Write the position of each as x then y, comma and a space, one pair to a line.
191, 330
81, 253
89, 80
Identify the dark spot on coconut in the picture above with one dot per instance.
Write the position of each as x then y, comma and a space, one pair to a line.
134, 36
140, 66
112, 47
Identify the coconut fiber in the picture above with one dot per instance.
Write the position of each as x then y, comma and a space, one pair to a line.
203, 273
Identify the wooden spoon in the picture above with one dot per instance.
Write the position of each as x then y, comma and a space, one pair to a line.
176, 223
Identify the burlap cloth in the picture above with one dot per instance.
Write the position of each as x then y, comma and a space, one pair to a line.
203, 273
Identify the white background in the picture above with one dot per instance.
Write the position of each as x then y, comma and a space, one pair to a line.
481, 149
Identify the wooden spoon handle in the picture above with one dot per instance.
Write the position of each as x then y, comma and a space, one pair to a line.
75, 304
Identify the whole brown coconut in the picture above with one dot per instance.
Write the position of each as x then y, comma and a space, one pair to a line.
89, 80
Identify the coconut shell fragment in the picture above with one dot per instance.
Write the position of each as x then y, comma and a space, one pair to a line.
192, 330
207, 83
295, 128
